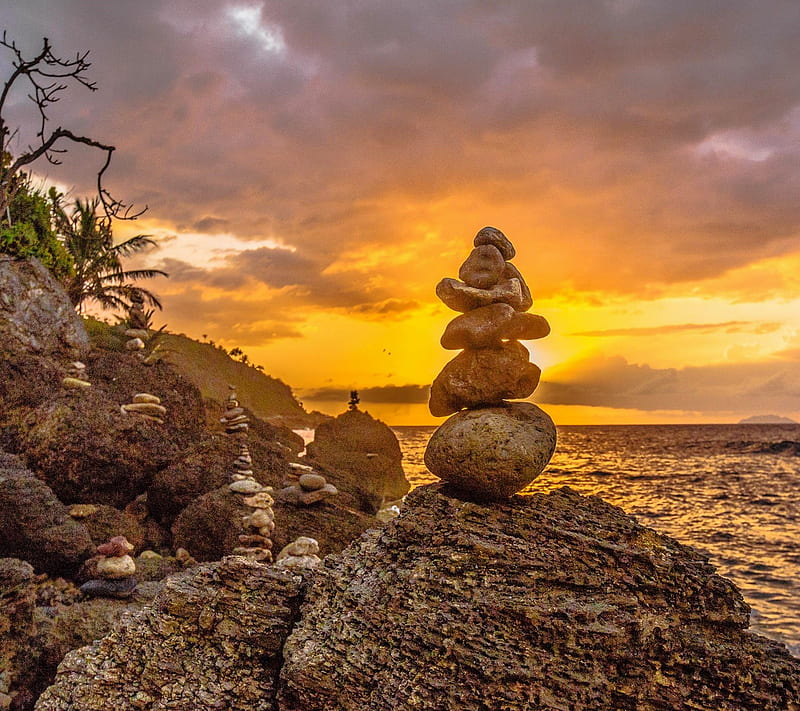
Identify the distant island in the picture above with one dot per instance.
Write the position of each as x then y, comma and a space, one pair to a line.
767, 420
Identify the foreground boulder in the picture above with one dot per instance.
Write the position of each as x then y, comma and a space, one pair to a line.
361, 457
35, 526
552, 602
36, 315
547, 602
211, 640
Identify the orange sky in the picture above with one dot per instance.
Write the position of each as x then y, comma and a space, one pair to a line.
312, 169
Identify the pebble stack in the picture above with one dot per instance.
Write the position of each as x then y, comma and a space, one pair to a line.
138, 332
300, 554
147, 406
306, 486
490, 448
234, 419
76, 376
115, 570
256, 541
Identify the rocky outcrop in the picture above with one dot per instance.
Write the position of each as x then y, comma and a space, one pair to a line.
17, 602
36, 315
546, 602
361, 457
551, 601
211, 640
35, 526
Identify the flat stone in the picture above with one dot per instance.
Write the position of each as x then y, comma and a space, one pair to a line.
245, 486
116, 567
234, 411
493, 236
303, 467
311, 482
312, 497
145, 408
241, 427
255, 540
483, 268
147, 398
459, 296
261, 554
483, 378
82, 510
75, 383
121, 588
525, 327
234, 420
492, 453
479, 328
141, 333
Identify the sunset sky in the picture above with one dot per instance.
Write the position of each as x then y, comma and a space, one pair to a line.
313, 168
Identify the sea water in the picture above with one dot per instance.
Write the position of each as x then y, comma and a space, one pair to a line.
730, 491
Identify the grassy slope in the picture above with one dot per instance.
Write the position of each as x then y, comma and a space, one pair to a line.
212, 370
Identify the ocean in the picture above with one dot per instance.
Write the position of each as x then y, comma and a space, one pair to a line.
730, 491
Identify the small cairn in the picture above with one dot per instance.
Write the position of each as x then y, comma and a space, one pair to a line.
147, 406
115, 569
490, 448
235, 419
138, 332
256, 542
76, 376
300, 554
307, 488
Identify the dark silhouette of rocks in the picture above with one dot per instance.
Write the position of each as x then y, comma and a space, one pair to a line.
36, 315
35, 526
361, 457
550, 601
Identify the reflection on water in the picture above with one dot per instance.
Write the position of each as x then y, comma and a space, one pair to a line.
731, 491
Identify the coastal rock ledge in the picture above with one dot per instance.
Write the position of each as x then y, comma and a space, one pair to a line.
552, 601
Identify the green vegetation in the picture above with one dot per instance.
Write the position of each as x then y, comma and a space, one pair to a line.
97, 271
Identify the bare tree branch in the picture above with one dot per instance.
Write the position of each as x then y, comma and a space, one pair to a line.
44, 73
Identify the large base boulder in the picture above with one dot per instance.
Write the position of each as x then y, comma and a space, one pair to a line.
35, 526
361, 457
546, 602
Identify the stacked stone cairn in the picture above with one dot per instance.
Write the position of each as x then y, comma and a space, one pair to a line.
115, 570
147, 406
76, 376
256, 541
138, 332
490, 448
300, 554
305, 486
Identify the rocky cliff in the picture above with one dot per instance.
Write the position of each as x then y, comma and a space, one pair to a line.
552, 601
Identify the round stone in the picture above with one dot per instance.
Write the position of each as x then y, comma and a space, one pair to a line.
493, 236
303, 545
116, 567
483, 268
311, 482
491, 454
116, 546
124, 587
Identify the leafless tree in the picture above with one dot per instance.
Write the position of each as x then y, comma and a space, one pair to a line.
47, 76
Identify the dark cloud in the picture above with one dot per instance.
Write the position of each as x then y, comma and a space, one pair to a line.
658, 141
733, 387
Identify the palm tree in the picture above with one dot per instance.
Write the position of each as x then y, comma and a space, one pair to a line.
98, 272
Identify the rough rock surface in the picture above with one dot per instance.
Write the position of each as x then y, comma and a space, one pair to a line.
209, 528
361, 457
212, 639
35, 526
494, 452
552, 601
85, 448
17, 601
35, 313
106, 522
